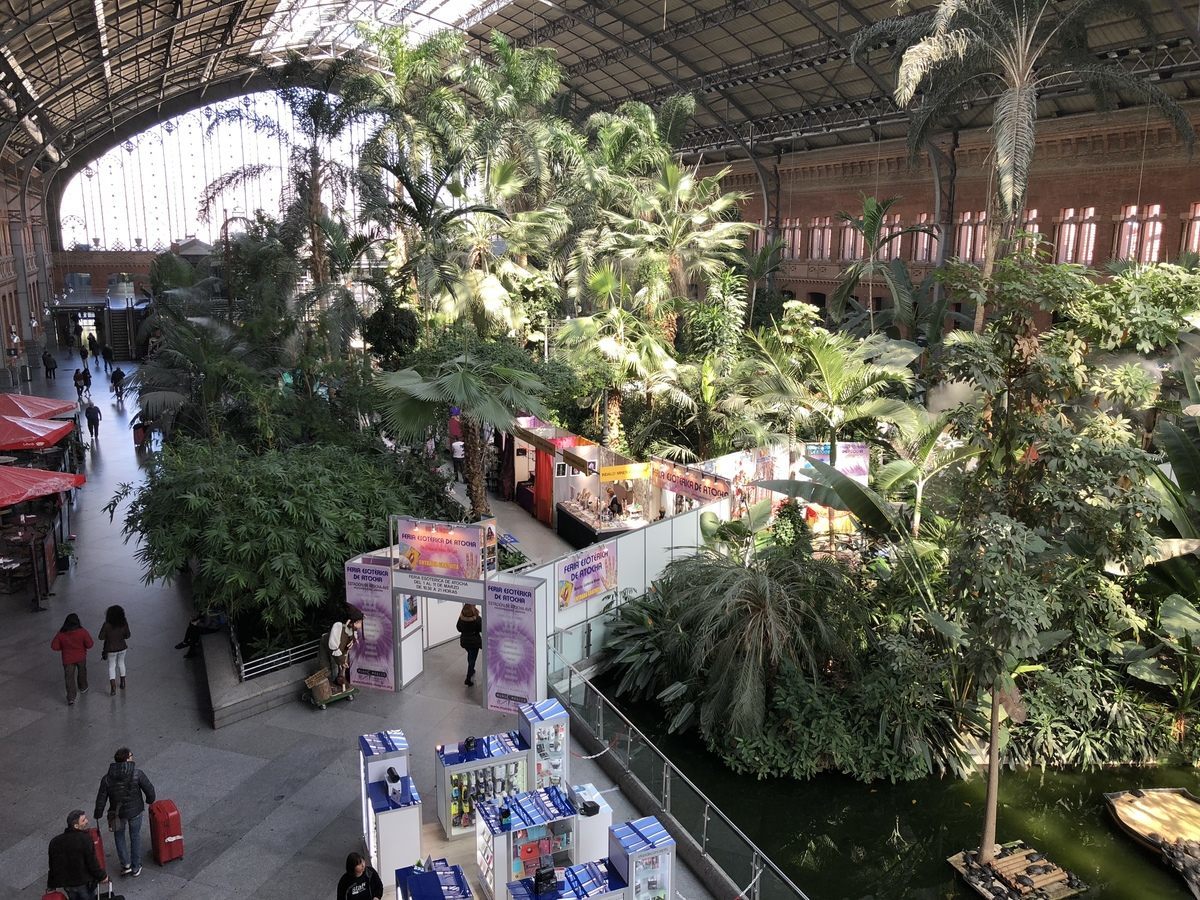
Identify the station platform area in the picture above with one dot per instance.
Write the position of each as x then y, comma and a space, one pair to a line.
270, 805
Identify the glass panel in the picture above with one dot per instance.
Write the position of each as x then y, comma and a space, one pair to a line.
571, 642
772, 887
647, 766
730, 851
687, 806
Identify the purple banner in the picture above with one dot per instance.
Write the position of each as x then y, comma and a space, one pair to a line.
510, 644
372, 661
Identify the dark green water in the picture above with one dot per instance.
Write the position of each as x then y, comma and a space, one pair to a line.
838, 839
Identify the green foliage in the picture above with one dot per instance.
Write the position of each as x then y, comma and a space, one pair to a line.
268, 534
391, 332
1144, 308
168, 272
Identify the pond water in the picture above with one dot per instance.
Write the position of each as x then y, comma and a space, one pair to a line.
839, 839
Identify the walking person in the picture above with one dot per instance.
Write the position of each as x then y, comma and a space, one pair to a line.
76, 332
360, 882
83, 354
50, 364
458, 452
122, 789
106, 353
73, 642
74, 868
118, 383
93, 415
94, 348
470, 630
113, 636
87, 382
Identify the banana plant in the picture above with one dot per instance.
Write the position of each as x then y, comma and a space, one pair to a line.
1174, 663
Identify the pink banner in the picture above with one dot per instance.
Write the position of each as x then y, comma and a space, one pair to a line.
372, 661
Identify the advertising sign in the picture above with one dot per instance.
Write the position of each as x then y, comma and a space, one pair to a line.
437, 586
440, 548
510, 636
592, 572
689, 482
372, 661
629, 472
491, 544
853, 458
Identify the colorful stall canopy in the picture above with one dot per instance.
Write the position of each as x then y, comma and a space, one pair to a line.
35, 407
22, 433
18, 485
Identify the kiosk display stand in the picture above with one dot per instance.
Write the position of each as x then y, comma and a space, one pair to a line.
586, 881
436, 880
495, 766
642, 854
545, 728
391, 806
530, 830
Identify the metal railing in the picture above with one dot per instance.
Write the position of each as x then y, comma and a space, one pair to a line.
273, 661
719, 839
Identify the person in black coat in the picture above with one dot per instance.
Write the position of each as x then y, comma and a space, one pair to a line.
74, 868
470, 629
360, 882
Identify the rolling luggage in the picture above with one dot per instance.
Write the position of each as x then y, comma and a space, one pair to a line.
166, 831
54, 895
98, 846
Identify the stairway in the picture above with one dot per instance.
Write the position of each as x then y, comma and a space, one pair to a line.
119, 337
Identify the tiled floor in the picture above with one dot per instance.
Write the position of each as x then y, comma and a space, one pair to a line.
270, 805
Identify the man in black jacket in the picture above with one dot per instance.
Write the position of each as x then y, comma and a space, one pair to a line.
74, 868
122, 790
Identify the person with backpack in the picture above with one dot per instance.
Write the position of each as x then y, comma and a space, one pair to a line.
122, 790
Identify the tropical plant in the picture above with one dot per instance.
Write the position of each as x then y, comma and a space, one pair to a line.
1174, 663
761, 265
484, 391
1015, 50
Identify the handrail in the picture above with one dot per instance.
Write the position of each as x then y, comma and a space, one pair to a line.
780, 886
272, 662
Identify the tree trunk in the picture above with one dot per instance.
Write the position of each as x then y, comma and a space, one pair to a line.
987, 847
474, 458
320, 271
945, 181
612, 417
916, 520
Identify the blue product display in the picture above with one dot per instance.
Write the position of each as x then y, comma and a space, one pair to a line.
530, 831
493, 766
439, 881
383, 743
545, 726
587, 881
391, 805
642, 854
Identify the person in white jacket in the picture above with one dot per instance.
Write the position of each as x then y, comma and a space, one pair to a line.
342, 637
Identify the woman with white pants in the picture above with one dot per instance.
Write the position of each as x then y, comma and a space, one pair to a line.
113, 636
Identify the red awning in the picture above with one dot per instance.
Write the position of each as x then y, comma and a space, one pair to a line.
21, 433
35, 407
18, 485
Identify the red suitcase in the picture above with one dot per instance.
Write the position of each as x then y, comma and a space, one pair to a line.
166, 831
98, 846
54, 895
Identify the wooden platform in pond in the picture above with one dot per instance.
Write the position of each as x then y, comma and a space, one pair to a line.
1016, 867
1166, 821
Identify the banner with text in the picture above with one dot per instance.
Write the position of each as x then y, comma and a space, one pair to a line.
372, 661
510, 636
440, 548
689, 482
627, 472
592, 572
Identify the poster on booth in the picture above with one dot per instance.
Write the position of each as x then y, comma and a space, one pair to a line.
372, 661
592, 572
853, 459
439, 559
510, 636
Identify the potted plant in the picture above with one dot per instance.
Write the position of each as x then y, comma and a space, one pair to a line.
64, 554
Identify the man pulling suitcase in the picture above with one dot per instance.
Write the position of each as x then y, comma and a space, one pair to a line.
74, 867
122, 789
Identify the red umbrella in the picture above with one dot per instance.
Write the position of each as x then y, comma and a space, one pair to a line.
34, 407
18, 485
20, 433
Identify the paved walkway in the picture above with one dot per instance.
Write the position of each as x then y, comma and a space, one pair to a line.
270, 805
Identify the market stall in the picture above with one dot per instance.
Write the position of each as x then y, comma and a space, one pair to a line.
24, 405
31, 527
537, 474
604, 495
679, 488
391, 806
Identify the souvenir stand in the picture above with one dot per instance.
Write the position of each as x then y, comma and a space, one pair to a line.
475, 771
743, 469
642, 855
545, 728
586, 881
595, 818
585, 512
391, 806
538, 476
516, 836
435, 879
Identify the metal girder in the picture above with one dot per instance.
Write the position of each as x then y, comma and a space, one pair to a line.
1164, 61
647, 41
102, 37
235, 16
176, 16
805, 11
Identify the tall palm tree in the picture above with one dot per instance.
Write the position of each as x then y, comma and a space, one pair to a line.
620, 341
761, 265
486, 393
876, 237
1016, 48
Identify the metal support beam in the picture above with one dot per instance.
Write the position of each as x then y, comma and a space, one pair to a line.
176, 16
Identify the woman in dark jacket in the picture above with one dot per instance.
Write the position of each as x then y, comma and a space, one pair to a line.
114, 634
360, 882
73, 642
470, 627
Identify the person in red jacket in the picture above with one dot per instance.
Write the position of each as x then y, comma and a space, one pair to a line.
73, 642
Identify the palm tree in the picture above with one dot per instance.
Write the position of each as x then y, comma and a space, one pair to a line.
620, 341
922, 455
876, 238
486, 393
760, 265
746, 622
1016, 48
678, 228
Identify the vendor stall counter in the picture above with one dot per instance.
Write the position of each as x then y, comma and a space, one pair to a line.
437, 881
586, 881
581, 525
391, 806
642, 854
477, 770
528, 831
544, 726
